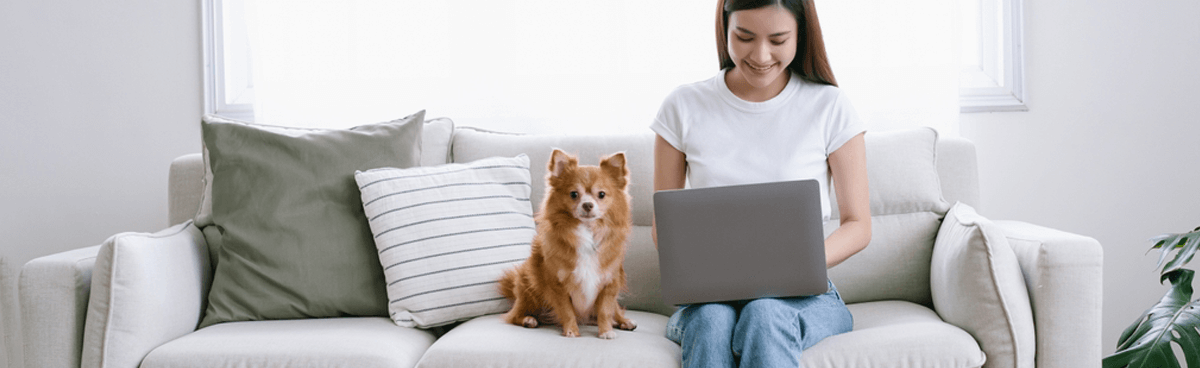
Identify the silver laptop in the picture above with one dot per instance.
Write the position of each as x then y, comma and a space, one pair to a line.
740, 242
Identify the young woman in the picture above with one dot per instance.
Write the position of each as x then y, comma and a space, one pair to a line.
772, 113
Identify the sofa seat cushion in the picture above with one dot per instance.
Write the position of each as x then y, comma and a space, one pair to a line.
327, 342
886, 334
896, 334
488, 341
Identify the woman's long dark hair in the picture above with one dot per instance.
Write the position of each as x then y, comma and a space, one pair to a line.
811, 62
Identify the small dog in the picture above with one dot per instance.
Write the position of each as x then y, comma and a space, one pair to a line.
576, 268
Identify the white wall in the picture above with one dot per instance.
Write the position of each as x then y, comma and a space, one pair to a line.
1110, 145
96, 99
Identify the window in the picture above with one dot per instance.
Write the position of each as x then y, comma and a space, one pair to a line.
228, 84
993, 67
545, 66
550, 66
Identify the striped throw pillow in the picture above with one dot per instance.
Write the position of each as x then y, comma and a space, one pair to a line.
445, 235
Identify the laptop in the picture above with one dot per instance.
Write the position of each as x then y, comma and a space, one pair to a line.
740, 242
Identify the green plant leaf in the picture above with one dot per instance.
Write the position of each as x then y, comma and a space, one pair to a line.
1187, 243
1185, 254
1147, 343
1159, 241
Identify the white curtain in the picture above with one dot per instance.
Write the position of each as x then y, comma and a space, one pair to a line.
552, 66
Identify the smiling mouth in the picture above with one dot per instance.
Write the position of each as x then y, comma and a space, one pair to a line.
758, 68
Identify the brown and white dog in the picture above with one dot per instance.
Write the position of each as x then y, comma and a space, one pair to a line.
575, 271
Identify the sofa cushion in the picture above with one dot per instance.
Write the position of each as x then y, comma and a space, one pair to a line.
435, 150
643, 289
488, 341
894, 265
446, 234
885, 334
294, 242
472, 144
367, 342
901, 172
896, 334
136, 304
906, 210
977, 284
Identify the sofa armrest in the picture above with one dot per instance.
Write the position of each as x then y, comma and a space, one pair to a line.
53, 292
1064, 274
147, 289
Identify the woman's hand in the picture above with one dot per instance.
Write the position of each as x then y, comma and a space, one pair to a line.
849, 168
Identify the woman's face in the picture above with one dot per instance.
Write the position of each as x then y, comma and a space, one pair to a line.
762, 42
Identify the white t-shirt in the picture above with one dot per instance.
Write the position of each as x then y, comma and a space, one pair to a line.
729, 141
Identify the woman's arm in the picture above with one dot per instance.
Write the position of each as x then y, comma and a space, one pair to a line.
849, 168
670, 168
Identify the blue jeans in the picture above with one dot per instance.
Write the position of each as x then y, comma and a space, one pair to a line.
767, 332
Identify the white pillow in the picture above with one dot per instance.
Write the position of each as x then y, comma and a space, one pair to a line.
446, 234
977, 284
147, 289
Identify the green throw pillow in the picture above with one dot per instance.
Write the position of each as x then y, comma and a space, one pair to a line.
294, 240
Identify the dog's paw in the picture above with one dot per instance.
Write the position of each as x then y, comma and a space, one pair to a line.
529, 322
627, 325
608, 335
570, 332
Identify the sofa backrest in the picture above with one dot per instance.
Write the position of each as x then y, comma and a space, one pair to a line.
914, 177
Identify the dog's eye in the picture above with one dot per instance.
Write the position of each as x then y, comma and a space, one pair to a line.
574, 195
601, 195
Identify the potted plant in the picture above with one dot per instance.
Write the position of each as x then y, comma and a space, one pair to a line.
1176, 318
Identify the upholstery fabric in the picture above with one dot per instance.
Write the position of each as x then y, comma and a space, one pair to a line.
134, 274
896, 334
885, 334
894, 265
473, 144
643, 290
293, 240
435, 141
54, 294
187, 190
977, 285
958, 170
490, 342
906, 208
360, 342
902, 173
1064, 275
446, 234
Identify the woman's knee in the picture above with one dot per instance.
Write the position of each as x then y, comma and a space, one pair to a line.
710, 314
767, 311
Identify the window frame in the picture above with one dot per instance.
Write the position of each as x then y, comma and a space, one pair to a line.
216, 88
1004, 89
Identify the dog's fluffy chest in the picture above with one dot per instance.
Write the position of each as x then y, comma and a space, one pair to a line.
587, 272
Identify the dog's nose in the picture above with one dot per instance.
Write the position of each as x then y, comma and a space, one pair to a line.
587, 206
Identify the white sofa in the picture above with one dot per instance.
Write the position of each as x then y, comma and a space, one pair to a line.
912, 306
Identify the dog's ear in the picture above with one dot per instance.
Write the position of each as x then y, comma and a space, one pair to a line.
614, 165
560, 161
